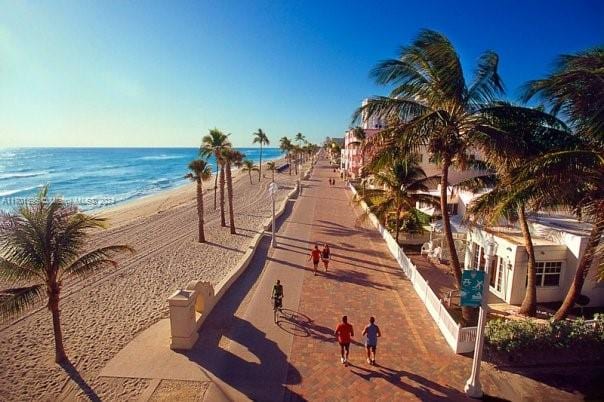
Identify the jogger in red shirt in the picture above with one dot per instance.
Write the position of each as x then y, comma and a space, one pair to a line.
344, 333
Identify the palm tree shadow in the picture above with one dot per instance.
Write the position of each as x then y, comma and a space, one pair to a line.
75, 376
425, 390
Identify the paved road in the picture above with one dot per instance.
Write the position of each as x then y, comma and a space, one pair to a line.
298, 359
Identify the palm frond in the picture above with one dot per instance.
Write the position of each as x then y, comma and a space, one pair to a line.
16, 300
95, 260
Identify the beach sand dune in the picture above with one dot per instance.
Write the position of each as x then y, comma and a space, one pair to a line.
104, 312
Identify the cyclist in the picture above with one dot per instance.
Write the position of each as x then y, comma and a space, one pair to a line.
277, 295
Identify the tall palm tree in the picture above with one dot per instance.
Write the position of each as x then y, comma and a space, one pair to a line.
261, 138
200, 172
286, 146
231, 157
249, 167
432, 107
43, 244
272, 167
299, 138
213, 144
573, 177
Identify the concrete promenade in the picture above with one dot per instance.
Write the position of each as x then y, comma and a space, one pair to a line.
250, 357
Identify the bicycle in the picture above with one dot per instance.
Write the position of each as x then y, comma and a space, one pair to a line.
277, 306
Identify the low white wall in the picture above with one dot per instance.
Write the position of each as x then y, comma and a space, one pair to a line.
207, 296
461, 340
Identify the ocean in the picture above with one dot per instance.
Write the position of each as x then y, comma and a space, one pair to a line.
98, 177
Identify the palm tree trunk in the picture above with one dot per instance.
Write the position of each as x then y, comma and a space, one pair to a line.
469, 314
229, 183
222, 218
201, 234
250, 175
398, 223
289, 161
575, 288
529, 304
260, 165
444, 183
216, 182
53, 306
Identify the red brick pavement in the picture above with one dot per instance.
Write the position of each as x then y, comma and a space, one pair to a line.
414, 361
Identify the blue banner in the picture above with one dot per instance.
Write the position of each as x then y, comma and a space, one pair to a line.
472, 288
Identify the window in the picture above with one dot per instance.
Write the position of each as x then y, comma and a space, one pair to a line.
548, 273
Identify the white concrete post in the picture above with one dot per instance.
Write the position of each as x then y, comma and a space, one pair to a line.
182, 319
473, 387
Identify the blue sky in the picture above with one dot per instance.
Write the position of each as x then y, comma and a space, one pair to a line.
161, 73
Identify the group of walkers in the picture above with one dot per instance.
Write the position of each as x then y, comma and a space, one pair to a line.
332, 182
317, 256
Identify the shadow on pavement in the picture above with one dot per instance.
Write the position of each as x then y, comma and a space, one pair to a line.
423, 388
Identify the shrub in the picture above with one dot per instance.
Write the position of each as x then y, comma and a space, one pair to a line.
530, 335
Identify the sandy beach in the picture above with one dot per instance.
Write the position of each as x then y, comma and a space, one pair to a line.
104, 312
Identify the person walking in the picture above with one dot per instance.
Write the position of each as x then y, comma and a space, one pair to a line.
371, 332
344, 333
325, 256
315, 256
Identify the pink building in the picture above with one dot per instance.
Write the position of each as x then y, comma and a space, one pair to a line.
352, 159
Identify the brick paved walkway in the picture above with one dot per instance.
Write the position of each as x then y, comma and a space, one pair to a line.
298, 359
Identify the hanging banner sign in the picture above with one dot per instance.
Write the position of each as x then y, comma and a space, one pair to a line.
472, 288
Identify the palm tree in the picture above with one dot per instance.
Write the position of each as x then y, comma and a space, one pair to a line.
249, 167
404, 181
213, 144
272, 167
432, 107
573, 177
300, 138
286, 146
231, 157
516, 135
200, 172
261, 138
43, 245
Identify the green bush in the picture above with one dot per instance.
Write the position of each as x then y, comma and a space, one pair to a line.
530, 335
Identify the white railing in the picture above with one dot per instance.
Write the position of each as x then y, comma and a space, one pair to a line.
461, 340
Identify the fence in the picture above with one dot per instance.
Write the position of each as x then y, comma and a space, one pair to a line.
461, 340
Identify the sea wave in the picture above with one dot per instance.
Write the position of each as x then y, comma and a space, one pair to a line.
160, 157
21, 175
18, 191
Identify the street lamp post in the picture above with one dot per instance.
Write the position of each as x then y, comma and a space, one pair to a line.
272, 190
473, 388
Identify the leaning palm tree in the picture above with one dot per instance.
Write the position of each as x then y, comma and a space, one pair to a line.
261, 138
513, 136
43, 245
286, 146
200, 172
574, 177
432, 107
272, 167
249, 167
212, 145
231, 157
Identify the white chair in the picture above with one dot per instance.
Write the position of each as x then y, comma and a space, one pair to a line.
435, 254
426, 248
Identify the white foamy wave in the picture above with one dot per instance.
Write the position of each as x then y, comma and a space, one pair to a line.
18, 191
159, 157
17, 175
